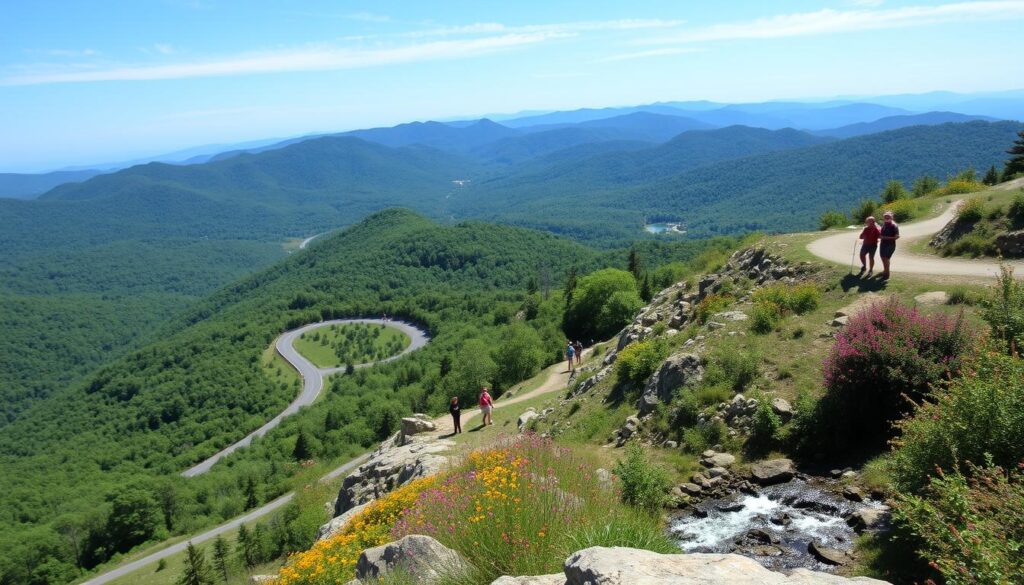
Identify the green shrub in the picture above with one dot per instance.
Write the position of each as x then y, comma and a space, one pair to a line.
1016, 210
765, 317
637, 361
864, 210
796, 298
962, 295
644, 483
702, 437
731, 366
973, 244
902, 209
831, 219
711, 304
765, 427
980, 415
603, 302
961, 187
970, 530
1004, 311
925, 186
971, 210
893, 191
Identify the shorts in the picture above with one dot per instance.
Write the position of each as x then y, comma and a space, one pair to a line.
486, 409
868, 249
887, 251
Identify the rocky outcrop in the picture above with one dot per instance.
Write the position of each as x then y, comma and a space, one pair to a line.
396, 462
679, 370
1011, 244
772, 471
589, 383
421, 557
627, 566
338, 522
525, 418
416, 424
869, 518
557, 579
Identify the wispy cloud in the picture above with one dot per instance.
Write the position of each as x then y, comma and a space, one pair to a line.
368, 17
830, 21
163, 48
315, 58
663, 52
576, 27
64, 52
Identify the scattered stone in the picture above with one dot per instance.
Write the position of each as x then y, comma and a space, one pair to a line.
936, 297
840, 321
717, 472
556, 579
868, 518
715, 325
604, 476
763, 536
732, 316
783, 408
719, 460
525, 418
679, 370
829, 556
772, 471
853, 493
671, 444
627, 566
1011, 244
256, 579
691, 489
708, 454
421, 557
733, 507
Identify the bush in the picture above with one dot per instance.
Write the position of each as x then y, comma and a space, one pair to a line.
902, 210
894, 191
864, 210
971, 530
962, 295
971, 210
637, 361
1004, 311
972, 244
766, 425
644, 483
961, 187
1016, 210
765, 317
711, 304
702, 437
603, 303
731, 366
886, 355
980, 415
924, 186
831, 219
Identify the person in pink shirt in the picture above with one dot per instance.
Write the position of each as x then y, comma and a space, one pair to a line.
486, 406
870, 235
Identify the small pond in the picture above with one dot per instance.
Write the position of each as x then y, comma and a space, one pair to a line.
664, 228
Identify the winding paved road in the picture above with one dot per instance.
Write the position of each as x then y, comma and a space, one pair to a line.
302, 246
312, 379
839, 248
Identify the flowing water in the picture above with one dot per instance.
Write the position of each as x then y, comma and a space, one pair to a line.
785, 519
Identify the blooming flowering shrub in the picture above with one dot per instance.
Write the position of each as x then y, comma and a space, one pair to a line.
886, 355
518, 509
333, 559
971, 530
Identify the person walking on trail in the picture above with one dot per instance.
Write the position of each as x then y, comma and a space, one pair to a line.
870, 235
578, 349
486, 406
890, 232
456, 412
570, 354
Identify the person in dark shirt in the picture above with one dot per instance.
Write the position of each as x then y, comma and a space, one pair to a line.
456, 412
870, 235
890, 232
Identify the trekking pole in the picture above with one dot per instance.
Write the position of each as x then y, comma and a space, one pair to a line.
853, 257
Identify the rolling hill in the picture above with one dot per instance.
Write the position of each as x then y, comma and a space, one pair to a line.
896, 122
28, 186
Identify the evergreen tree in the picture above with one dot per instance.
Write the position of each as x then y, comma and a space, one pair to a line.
220, 557
646, 290
251, 501
925, 185
992, 176
570, 284
196, 572
248, 547
893, 191
332, 421
1016, 163
303, 450
635, 264
532, 285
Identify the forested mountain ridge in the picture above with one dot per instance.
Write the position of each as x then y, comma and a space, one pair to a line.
143, 418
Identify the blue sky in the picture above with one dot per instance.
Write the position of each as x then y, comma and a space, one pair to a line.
93, 81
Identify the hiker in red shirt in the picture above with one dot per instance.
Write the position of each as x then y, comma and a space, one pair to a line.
870, 235
486, 406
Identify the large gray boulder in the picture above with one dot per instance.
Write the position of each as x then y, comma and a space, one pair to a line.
421, 557
628, 566
525, 418
556, 579
681, 369
772, 471
338, 522
416, 424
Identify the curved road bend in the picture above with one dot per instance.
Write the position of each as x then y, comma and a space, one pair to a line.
312, 379
304, 243
839, 248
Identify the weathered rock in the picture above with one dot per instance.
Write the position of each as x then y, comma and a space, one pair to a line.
339, 522
935, 297
829, 556
719, 460
783, 408
840, 321
397, 461
525, 418
418, 423
557, 579
681, 369
732, 316
262, 578
717, 472
604, 476
772, 471
1011, 243
853, 493
731, 507
691, 489
421, 557
715, 325
763, 536
868, 518
627, 566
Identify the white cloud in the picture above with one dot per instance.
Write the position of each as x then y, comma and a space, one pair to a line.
663, 52
65, 52
316, 58
368, 17
828, 21
163, 48
577, 27
867, 3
